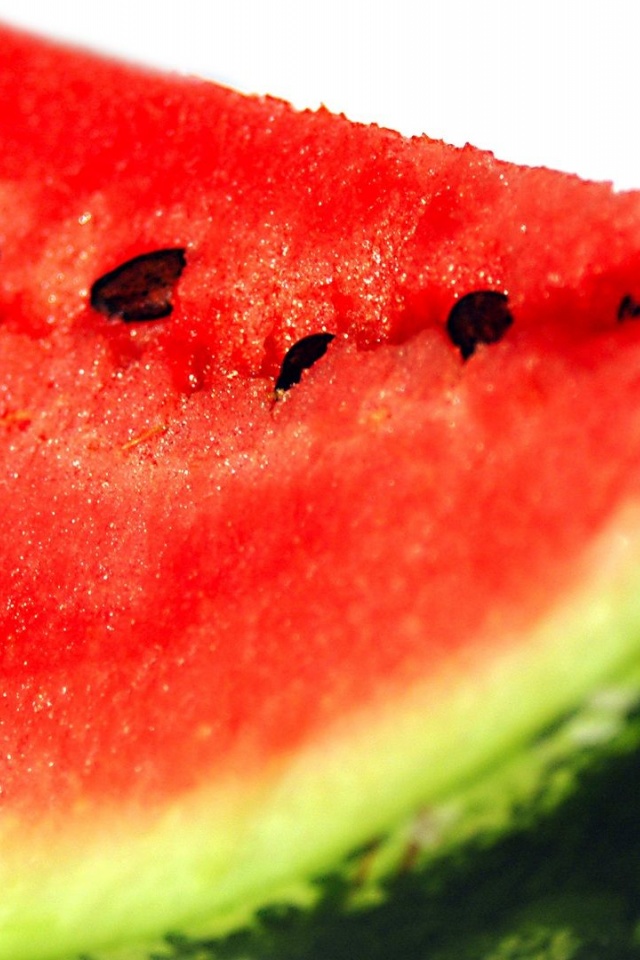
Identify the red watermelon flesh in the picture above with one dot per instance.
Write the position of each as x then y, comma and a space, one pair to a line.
252, 628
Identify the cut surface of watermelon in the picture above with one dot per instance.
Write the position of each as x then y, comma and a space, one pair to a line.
247, 629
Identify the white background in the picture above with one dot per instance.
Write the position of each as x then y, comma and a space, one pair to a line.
554, 81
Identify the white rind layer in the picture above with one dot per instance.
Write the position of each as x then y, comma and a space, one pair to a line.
119, 877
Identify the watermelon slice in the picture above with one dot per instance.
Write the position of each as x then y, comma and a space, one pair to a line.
320, 505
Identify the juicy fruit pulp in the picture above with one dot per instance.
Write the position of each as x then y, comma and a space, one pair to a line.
256, 613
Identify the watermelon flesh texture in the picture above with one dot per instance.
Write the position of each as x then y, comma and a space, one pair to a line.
243, 632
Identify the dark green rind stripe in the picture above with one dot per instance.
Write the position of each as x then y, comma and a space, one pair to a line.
539, 861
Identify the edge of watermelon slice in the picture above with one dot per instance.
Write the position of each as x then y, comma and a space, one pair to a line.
435, 749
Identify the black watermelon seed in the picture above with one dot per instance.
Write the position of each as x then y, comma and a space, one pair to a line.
478, 317
301, 356
629, 308
141, 288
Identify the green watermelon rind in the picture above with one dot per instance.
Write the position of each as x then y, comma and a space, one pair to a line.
468, 749
541, 799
